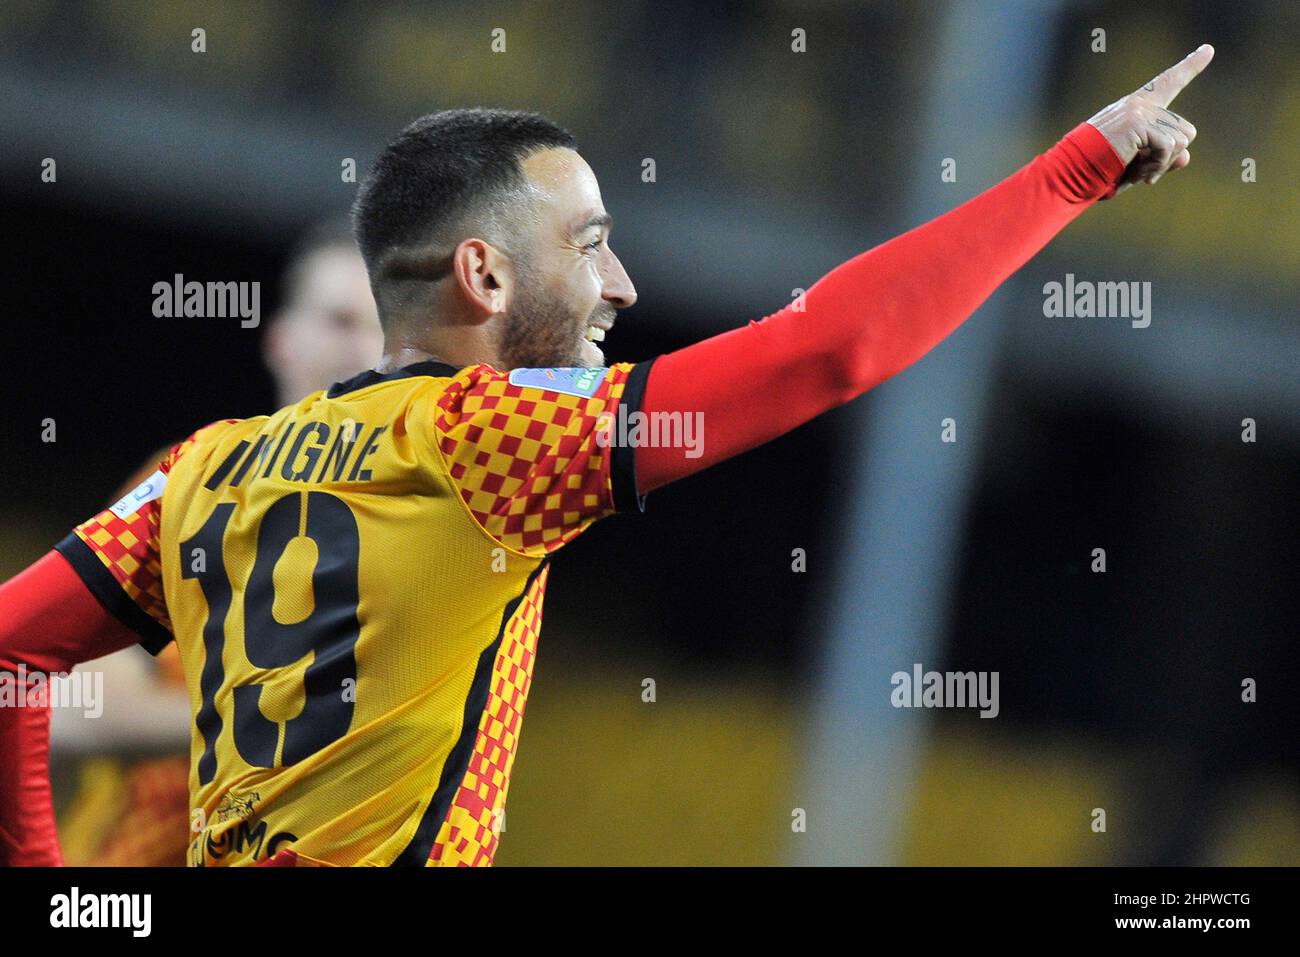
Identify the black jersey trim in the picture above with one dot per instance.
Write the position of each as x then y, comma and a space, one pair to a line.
416, 853
623, 457
108, 591
429, 367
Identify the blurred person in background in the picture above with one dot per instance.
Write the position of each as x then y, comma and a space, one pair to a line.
328, 328
132, 808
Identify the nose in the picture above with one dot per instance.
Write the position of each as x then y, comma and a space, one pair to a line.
616, 286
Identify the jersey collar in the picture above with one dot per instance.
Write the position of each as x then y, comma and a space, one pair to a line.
429, 367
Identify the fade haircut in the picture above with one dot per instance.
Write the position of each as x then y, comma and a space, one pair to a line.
446, 177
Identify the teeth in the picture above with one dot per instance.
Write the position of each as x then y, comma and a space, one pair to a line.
595, 334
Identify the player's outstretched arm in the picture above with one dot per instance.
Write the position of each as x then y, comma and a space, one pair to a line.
49, 621
881, 311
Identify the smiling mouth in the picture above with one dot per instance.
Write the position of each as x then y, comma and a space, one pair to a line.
596, 333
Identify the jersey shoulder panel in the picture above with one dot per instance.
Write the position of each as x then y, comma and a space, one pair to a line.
117, 552
530, 451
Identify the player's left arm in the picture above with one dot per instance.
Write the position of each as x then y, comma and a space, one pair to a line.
98, 591
49, 622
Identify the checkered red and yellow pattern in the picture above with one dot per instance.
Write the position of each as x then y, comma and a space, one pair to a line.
527, 461
129, 546
469, 835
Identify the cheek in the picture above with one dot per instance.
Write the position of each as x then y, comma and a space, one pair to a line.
571, 299
325, 347
584, 280
301, 345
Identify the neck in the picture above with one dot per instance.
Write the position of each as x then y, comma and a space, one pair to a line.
456, 347
405, 356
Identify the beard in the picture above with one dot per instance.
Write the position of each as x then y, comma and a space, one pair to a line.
543, 331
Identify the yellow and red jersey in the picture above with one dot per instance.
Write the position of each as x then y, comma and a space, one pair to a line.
355, 584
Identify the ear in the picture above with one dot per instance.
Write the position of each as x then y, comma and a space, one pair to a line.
483, 276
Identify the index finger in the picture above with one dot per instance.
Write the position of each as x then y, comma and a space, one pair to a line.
1169, 84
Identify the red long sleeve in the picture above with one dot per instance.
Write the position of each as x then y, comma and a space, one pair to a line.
870, 317
49, 621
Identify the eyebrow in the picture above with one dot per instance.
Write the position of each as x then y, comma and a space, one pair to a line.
600, 219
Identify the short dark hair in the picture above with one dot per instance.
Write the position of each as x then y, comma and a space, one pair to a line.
443, 175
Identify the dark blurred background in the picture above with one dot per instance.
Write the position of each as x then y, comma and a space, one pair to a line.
1119, 690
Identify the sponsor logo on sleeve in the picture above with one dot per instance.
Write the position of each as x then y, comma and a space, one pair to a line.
147, 491
569, 381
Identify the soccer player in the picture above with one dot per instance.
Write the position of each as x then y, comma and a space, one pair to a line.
355, 582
